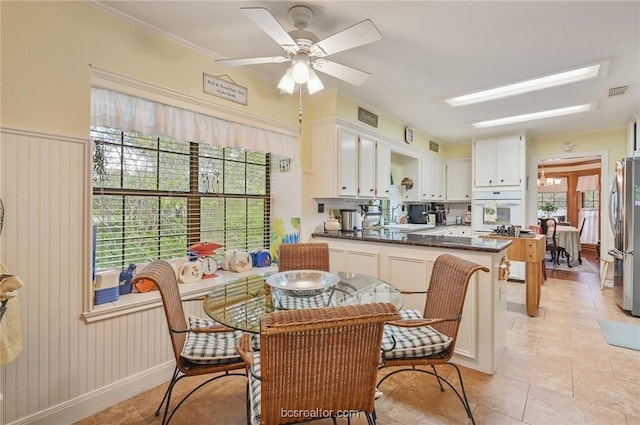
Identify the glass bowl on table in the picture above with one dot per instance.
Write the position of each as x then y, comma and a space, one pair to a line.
294, 289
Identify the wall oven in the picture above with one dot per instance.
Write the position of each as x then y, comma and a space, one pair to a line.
496, 208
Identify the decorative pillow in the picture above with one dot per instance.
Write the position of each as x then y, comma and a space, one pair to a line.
423, 341
210, 348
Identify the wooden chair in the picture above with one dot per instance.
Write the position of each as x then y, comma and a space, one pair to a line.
315, 360
202, 346
429, 339
303, 256
549, 228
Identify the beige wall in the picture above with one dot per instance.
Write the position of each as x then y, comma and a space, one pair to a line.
47, 49
614, 141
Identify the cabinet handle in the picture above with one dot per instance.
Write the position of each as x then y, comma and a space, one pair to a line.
386, 191
371, 190
344, 187
501, 180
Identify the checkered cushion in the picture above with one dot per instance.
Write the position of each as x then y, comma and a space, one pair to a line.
413, 342
288, 302
210, 348
254, 390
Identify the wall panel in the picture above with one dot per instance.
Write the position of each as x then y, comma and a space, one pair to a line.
43, 184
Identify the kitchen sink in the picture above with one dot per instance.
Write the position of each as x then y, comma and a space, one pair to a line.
409, 227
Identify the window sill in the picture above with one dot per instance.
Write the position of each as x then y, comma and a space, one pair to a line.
136, 301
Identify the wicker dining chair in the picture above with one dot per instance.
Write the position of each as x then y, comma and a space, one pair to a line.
429, 339
303, 256
315, 360
203, 346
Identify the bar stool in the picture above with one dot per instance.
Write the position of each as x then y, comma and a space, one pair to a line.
604, 268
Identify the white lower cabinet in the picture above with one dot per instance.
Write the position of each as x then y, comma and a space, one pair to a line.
482, 335
409, 274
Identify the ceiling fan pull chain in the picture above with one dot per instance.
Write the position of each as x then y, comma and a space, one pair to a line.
300, 112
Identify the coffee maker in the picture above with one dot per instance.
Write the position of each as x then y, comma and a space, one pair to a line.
440, 212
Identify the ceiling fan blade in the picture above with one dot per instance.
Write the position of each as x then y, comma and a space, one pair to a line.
267, 23
253, 61
361, 33
343, 72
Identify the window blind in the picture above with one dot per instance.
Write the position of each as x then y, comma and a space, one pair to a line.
153, 197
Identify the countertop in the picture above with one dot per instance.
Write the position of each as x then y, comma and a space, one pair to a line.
402, 238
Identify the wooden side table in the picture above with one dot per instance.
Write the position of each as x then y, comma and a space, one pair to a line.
531, 251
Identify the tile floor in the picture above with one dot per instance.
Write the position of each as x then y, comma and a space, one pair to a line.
557, 369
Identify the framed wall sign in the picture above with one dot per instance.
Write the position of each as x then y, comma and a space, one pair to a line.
222, 88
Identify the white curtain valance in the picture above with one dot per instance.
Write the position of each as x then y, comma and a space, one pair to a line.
118, 110
588, 183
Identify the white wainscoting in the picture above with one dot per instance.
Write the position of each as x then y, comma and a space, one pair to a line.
68, 369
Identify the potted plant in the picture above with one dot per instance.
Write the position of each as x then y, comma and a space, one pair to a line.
549, 208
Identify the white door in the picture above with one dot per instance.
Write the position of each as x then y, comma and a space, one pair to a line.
366, 168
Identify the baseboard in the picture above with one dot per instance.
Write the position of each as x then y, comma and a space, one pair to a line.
102, 398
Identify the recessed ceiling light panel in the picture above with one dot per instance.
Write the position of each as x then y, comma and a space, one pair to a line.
567, 77
534, 116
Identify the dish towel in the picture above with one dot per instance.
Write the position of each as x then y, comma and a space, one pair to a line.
10, 328
490, 215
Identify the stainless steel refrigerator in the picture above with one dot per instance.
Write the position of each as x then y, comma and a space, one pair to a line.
624, 213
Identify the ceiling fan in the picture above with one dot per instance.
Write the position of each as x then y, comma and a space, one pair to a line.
306, 51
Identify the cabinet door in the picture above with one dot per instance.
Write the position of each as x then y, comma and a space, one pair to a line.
362, 262
409, 274
484, 157
507, 162
425, 179
437, 180
458, 180
383, 170
366, 168
432, 179
348, 150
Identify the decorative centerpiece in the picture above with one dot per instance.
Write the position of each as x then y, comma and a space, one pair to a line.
549, 208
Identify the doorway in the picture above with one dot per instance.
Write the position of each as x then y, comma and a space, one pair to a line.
574, 206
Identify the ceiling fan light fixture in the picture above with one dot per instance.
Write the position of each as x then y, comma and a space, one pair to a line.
314, 85
287, 84
300, 69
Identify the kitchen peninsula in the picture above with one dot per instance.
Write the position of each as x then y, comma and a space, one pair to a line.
405, 260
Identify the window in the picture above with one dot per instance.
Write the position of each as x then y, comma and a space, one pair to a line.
559, 199
153, 197
591, 199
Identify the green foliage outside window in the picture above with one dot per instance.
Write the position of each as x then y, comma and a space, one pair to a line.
153, 197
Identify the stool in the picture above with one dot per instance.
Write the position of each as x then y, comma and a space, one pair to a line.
604, 268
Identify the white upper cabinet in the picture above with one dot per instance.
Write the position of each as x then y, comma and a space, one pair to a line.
366, 167
348, 160
433, 179
383, 170
348, 163
458, 179
499, 161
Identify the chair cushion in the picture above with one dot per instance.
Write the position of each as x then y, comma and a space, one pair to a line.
254, 390
423, 341
210, 348
287, 302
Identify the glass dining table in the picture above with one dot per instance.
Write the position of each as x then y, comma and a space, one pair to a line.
241, 303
